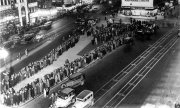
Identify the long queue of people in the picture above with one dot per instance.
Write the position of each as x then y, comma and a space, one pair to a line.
112, 36
36, 66
37, 87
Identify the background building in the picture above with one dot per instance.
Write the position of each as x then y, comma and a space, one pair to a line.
17, 9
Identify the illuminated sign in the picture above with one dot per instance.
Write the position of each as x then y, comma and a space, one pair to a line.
137, 3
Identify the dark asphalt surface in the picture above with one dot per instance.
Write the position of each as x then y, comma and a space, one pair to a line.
105, 69
62, 26
58, 25
159, 79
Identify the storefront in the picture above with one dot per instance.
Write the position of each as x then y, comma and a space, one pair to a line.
139, 8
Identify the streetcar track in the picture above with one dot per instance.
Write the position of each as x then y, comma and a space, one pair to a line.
120, 95
134, 63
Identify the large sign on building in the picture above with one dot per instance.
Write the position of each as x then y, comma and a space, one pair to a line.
137, 3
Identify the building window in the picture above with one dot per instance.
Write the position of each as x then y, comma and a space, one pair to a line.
1, 2
9, 2
5, 2
32, 9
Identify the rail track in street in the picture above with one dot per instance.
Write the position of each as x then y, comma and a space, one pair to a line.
129, 69
123, 92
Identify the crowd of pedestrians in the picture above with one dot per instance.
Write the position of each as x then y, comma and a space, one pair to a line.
34, 67
111, 37
40, 85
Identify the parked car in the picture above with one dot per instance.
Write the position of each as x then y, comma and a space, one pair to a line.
47, 25
8, 44
74, 80
41, 35
65, 98
15, 39
27, 38
85, 99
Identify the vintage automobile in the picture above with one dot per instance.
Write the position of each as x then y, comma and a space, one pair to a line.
74, 80
129, 40
65, 98
27, 38
47, 25
40, 35
85, 99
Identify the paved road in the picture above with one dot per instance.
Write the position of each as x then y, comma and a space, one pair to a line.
105, 69
160, 86
63, 31
58, 25
119, 82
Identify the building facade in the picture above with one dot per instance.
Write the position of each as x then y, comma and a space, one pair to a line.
17, 10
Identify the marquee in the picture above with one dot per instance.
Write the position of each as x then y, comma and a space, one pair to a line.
137, 3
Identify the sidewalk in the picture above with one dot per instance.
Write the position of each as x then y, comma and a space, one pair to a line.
14, 62
13, 56
71, 54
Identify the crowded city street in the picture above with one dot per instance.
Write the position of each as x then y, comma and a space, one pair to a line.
98, 54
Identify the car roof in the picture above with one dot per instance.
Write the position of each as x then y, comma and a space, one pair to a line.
65, 91
83, 94
41, 32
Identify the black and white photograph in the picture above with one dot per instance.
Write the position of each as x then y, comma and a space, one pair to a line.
89, 53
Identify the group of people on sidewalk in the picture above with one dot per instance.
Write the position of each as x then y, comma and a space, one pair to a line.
31, 69
111, 37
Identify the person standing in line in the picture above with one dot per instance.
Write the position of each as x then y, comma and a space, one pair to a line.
19, 56
47, 91
44, 92
26, 52
52, 97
